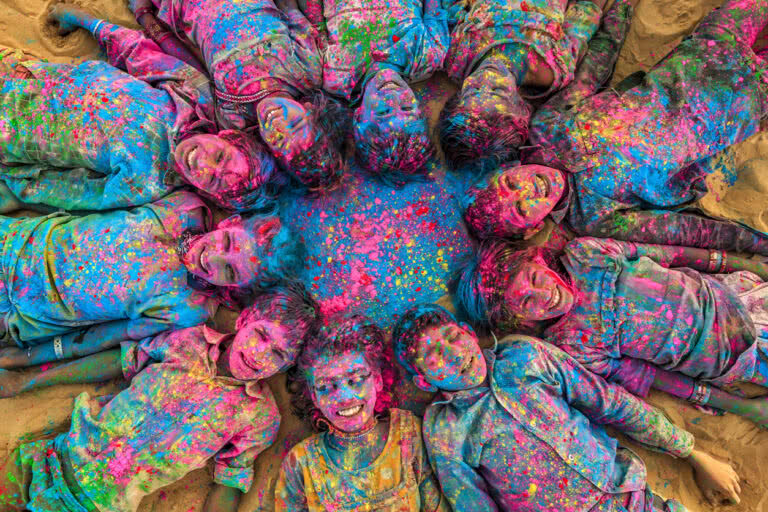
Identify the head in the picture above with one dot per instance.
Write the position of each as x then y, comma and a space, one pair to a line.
343, 376
514, 290
391, 132
437, 351
231, 168
270, 332
513, 202
242, 252
487, 120
306, 136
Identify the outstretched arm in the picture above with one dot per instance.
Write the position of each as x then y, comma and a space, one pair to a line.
222, 499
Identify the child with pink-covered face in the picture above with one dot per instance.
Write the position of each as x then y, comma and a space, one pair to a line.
366, 451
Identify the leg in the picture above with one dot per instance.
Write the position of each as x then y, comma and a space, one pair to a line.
741, 20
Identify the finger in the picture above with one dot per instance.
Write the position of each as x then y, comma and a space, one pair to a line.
737, 487
709, 495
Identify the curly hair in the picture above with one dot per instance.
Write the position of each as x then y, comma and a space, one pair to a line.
321, 166
335, 337
482, 140
410, 326
395, 156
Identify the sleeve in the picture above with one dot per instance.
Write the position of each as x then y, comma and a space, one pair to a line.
186, 347
593, 72
579, 25
233, 466
455, 10
289, 490
429, 488
609, 404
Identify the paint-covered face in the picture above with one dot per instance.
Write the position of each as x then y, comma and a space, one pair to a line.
521, 197
449, 357
490, 89
345, 388
390, 104
227, 255
538, 293
210, 163
259, 350
286, 126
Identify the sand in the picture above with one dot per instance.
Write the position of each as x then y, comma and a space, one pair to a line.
657, 27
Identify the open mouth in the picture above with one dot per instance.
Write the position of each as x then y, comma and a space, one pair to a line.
556, 297
388, 85
273, 113
190, 154
351, 411
200, 260
542, 185
467, 364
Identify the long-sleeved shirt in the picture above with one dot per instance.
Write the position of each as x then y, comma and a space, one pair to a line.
648, 146
176, 414
62, 273
408, 36
556, 32
251, 50
631, 315
532, 439
94, 137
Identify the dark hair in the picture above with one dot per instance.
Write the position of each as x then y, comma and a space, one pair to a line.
335, 337
322, 165
410, 326
482, 139
481, 212
396, 157
483, 281
288, 303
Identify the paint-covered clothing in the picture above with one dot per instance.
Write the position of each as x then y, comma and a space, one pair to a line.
532, 439
647, 145
631, 314
62, 273
310, 481
93, 137
176, 414
407, 36
556, 31
251, 49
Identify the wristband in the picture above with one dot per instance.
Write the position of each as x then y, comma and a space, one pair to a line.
723, 262
57, 348
701, 394
715, 262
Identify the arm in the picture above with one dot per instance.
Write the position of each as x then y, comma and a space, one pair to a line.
222, 499
582, 19
289, 490
462, 486
429, 488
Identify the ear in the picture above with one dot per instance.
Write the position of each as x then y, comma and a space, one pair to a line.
468, 328
378, 382
530, 232
422, 384
234, 220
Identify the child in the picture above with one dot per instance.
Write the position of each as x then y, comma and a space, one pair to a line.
93, 137
520, 427
73, 285
503, 53
675, 318
376, 48
366, 452
194, 394
641, 147
265, 65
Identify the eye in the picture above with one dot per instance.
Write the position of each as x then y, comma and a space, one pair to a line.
227, 241
322, 388
219, 157
519, 208
230, 273
408, 108
279, 354
499, 89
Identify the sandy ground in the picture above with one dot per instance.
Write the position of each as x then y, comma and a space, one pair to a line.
657, 27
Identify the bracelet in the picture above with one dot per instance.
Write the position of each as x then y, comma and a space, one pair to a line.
723, 262
700, 395
29, 352
96, 28
715, 261
57, 348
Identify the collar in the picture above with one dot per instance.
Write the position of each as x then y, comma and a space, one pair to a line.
213, 338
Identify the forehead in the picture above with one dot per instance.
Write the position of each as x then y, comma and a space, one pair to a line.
331, 366
434, 334
274, 332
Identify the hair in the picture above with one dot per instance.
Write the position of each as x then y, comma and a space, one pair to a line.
483, 281
264, 181
410, 326
321, 166
396, 157
336, 337
288, 303
481, 213
482, 139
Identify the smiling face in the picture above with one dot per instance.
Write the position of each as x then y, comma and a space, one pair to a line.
286, 126
448, 357
226, 256
260, 349
210, 163
538, 293
390, 104
345, 388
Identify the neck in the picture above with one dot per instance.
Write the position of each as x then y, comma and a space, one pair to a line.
222, 369
358, 449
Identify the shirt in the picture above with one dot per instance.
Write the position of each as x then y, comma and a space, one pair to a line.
532, 439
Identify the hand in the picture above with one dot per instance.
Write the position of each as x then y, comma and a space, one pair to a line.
714, 477
8, 200
68, 17
758, 411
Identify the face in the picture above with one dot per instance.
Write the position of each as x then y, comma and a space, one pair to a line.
449, 357
538, 293
226, 256
286, 126
524, 196
212, 164
345, 388
260, 349
491, 88
390, 104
